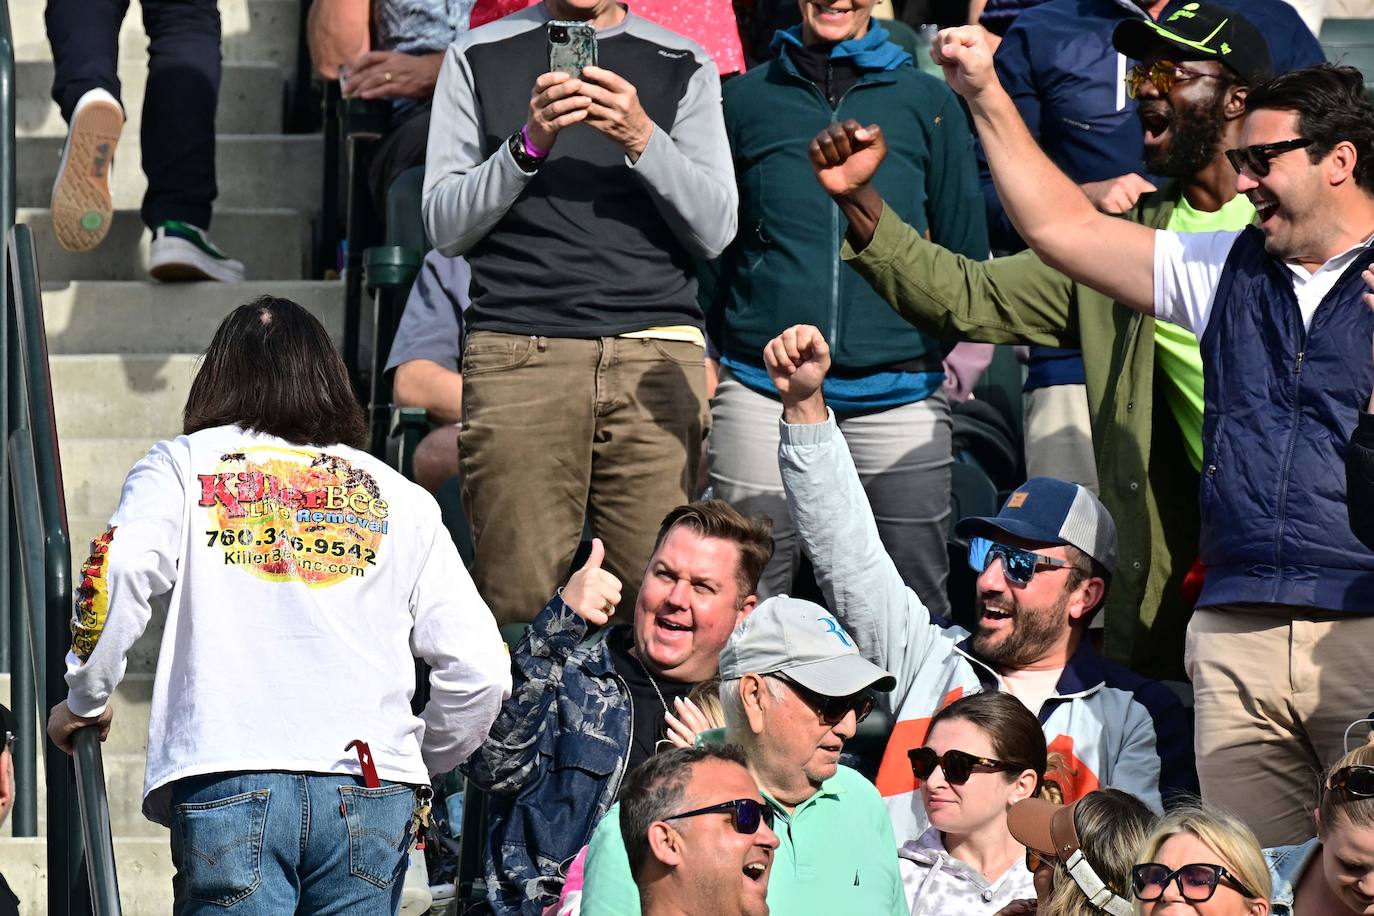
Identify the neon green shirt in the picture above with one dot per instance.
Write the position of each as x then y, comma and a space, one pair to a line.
836, 856
1176, 350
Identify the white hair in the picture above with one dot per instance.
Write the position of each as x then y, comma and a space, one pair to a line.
732, 704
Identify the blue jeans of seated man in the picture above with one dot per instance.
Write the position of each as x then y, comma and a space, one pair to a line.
267, 844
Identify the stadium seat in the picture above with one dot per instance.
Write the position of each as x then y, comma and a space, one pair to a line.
1351, 42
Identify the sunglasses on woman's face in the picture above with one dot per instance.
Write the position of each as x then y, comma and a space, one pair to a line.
1355, 781
832, 710
746, 813
1035, 859
958, 766
1197, 882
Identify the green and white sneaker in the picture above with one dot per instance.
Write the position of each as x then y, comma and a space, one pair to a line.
182, 253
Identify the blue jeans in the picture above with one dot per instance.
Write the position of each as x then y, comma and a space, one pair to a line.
279, 843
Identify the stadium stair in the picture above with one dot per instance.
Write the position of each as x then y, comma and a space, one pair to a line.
123, 348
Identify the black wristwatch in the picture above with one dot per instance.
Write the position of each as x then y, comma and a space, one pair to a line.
527, 163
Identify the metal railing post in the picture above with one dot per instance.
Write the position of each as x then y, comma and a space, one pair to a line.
7, 212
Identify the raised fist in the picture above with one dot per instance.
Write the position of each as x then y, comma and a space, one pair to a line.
797, 360
846, 155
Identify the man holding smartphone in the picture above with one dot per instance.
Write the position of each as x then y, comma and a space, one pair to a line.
581, 205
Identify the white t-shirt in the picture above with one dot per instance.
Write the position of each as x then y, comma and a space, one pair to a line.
1188, 266
301, 583
1032, 686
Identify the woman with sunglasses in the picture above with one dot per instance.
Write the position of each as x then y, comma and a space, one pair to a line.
1202, 861
1080, 854
984, 753
1332, 874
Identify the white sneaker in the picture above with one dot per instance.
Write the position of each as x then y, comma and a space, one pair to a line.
181, 252
82, 205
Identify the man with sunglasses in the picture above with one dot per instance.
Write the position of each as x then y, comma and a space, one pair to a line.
698, 836
1284, 618
1144, 381
794, 688
1044, 563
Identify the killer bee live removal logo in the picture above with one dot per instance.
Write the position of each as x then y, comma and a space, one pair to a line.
294, 515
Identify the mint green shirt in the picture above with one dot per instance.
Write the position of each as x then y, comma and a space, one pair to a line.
1176, 349
836, 856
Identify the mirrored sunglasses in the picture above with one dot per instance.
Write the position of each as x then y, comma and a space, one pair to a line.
1163, 75
746, 814
1018, 565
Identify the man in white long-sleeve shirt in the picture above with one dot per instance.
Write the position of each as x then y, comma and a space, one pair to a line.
302, 578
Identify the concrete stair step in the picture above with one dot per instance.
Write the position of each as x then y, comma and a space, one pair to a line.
132, 701
251, 30
144, 865
283, 170
124, 396
145, 317
250, 99
271, 243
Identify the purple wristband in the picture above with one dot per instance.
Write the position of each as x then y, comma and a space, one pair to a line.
531, 150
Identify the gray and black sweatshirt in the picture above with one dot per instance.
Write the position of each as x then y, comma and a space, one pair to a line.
591, 245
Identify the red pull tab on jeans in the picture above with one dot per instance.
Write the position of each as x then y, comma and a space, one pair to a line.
365, 761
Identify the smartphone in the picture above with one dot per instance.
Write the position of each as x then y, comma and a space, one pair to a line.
572, 46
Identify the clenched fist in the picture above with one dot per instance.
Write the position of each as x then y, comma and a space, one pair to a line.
798, 360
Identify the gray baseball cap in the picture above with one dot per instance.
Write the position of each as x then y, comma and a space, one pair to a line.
1049, 511
786, 635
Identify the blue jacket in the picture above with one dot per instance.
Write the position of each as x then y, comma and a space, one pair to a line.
553, 762
1286, 867
1280, 403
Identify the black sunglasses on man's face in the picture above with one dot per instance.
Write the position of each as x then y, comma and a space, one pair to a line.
746, 814
1255, 159
832, 710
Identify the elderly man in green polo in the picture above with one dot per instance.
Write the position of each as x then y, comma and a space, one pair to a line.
793, 689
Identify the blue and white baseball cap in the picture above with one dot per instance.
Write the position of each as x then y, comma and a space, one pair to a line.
792, 636
1050, 512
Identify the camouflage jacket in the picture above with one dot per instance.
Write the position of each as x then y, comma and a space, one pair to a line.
553, 762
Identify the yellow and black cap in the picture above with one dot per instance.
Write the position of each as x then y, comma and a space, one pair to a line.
1200, 31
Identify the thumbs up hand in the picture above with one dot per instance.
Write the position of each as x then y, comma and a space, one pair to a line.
592, 592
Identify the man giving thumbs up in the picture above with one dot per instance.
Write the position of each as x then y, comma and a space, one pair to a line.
583, 712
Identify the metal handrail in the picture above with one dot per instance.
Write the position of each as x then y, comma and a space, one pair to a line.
78, 807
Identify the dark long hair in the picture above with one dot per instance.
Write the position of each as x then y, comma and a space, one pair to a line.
272, 368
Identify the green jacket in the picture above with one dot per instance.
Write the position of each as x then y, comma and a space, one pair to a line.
1145, 479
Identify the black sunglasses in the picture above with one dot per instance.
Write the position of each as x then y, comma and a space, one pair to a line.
1255, 159
1197, 882
832, 710
1355, 781
1018, 565
958, 765
746, 813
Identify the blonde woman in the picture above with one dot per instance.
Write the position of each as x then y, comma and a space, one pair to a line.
1080, 854
1201, 861
1333, 873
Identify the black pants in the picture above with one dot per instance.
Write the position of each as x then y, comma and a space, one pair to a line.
178, 133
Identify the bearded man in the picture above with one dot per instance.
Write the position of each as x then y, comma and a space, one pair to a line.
1044, 561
